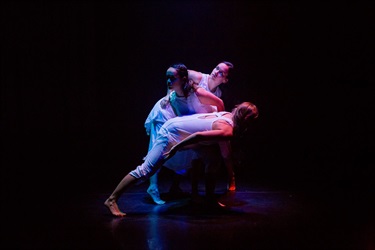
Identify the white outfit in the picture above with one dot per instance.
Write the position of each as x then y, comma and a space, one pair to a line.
182, 159
173, 131
204, 84
186, 106
156, 118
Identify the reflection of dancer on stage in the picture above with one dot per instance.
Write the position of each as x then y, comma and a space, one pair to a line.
183, 132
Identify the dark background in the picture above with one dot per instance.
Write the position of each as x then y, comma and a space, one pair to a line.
79, 78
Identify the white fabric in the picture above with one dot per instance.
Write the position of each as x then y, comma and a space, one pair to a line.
186, 106
173, 131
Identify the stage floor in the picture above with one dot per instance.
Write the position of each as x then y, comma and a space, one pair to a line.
255, 217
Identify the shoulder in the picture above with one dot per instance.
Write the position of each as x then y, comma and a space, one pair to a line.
195, 76
224, 126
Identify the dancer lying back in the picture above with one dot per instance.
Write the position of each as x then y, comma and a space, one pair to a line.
185, 132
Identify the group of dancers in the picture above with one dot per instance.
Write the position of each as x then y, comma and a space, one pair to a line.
189, 127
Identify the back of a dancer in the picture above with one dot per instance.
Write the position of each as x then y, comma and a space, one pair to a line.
203, 121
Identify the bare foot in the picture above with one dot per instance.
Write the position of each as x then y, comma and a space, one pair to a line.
113, 208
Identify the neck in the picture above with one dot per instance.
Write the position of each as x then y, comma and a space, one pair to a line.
179, 93
211, 84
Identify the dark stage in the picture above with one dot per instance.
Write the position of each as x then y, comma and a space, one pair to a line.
255, 217
78, 79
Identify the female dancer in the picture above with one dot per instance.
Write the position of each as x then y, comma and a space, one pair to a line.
186, 132
183, 98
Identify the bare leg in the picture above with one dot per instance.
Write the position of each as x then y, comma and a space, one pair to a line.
153, 189
231, 178
111, 202
210, 183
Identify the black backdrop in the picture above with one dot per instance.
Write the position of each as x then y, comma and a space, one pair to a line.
79, 78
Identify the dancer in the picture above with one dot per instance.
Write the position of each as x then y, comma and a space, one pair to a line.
211, 82
159, 114
180, 133
182, 99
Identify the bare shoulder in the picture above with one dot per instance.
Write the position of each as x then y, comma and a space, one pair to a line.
195, 76
223, 126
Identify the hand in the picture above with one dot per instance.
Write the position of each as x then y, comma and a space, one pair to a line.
193, 85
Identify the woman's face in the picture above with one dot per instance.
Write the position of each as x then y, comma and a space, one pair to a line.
220, 73
173, 79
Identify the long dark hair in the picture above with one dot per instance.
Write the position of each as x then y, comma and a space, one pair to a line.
182, 72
